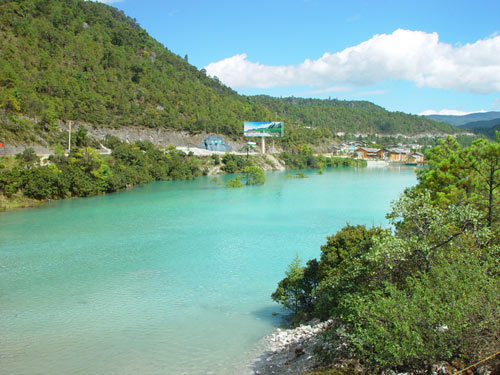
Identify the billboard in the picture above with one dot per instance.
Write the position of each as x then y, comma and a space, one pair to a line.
263, 129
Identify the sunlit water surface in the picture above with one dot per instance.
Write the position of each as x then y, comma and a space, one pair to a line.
171, 277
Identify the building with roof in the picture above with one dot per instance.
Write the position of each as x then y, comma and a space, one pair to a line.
397, 154
368, 153
215, 143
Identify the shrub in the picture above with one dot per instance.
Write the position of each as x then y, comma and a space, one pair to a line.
234, 183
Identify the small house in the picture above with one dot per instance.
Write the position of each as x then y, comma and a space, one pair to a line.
334, 149
416, 157
367, 153
398, 154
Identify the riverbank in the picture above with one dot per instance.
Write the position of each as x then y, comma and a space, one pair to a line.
291, 351
87, 172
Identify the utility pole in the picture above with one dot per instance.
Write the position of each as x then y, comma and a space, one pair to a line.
69, 138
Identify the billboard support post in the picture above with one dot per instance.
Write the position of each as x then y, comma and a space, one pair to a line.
262, 130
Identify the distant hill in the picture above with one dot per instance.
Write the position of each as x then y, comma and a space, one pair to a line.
488, 132
485, 128
87, 61
462, 120
481, 124
349, 116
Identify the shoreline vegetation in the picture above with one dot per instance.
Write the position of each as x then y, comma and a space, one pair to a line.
422, 297
26, 182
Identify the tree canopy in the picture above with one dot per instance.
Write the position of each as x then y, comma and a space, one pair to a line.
425, 291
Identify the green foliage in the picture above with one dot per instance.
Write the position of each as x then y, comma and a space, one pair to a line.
43, 183
316, 116
81, 138
17, 129
255, 175
84, 172
217, 180
10, 102
234, 163
424, 292
11, 180
469, 175
434, 272
28, 158
87, 61
302, 157
344, 269
289, 290
341, 271
215, 158
450, 311
234, 183
488, 132
294, 292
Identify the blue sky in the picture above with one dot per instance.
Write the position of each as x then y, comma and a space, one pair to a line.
409, 56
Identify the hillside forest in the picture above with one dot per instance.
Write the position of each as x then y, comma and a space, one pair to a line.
86, 61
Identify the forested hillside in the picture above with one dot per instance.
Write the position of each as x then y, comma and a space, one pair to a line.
86, 61
481, 124
489, 132
349, 116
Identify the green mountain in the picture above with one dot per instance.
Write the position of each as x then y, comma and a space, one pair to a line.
481, 124
349, 116
488, 131
462, 120
87, 61
79, 60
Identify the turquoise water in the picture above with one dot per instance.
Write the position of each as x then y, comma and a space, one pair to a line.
171, 277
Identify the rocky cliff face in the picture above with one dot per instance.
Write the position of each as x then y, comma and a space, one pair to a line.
160, 137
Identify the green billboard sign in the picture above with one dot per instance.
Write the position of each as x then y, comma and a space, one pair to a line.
263, 129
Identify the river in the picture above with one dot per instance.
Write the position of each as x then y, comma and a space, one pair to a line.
170, 277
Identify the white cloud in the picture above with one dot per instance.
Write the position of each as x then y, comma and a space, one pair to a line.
408, 55
448, 112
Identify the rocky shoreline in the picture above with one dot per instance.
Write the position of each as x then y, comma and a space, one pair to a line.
291, 351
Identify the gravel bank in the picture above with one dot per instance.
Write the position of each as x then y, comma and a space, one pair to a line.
290, 351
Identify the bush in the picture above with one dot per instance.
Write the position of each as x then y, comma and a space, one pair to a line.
43, 183
255, 175
295, 291
234, 183
451, 311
